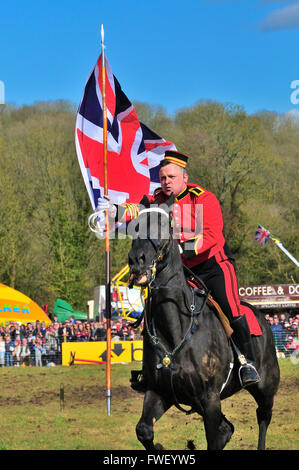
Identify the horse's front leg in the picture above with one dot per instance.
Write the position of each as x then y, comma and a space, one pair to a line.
154, 406
218, 429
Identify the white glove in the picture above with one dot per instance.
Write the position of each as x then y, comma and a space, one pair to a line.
105, 203
100, 222
97, 223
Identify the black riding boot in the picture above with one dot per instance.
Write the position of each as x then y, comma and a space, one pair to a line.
137, 380
241, 337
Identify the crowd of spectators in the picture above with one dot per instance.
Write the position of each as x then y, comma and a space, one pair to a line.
285, 329
38, 344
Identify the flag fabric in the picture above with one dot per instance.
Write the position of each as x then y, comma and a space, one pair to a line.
262, 235
134, 151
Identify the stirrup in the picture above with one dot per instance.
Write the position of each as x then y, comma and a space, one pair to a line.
251, 372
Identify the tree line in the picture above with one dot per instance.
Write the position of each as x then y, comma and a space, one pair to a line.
46, 248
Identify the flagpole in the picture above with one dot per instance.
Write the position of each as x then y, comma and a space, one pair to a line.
107, 245
280, 245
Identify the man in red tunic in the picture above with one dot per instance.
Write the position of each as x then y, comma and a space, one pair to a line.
198, 227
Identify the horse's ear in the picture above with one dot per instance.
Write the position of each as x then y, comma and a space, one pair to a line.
170, 201
145, 202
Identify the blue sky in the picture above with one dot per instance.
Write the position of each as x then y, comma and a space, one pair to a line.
164, 52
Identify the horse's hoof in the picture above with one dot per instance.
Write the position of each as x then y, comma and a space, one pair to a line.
159, 447
191, 445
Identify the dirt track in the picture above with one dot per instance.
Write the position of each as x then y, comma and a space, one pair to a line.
92, 393
32, 397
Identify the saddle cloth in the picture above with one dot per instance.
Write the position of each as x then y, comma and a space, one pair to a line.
254, 327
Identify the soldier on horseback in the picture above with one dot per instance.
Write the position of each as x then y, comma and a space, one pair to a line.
198, 227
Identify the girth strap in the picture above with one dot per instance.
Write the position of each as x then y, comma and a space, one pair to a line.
167, 372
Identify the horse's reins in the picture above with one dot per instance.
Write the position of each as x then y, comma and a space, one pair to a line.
166, 356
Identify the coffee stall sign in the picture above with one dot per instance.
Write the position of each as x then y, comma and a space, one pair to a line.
277, 296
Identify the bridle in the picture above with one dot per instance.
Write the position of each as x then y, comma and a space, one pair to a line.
161, 253
161, 250
167, 357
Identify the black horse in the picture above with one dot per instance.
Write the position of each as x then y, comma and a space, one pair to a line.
188, 359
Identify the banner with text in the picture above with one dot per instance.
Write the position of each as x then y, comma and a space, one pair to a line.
271, 296
96, 352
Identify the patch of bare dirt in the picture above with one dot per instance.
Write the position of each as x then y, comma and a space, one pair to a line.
72, 395
288, 385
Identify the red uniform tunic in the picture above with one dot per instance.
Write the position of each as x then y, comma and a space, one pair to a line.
197, 219
198, 226
198, 223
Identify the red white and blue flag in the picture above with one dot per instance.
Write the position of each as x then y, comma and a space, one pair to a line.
134, 151
262, 235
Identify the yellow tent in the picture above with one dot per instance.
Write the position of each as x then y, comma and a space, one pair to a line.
15, 306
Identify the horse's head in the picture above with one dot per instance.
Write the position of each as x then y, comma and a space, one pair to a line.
151, 233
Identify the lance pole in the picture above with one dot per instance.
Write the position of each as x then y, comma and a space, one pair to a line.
107, 240
280, 245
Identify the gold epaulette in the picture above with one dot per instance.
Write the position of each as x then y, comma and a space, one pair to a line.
132, 210
197, 190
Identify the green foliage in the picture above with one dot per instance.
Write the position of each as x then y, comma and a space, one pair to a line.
46, 248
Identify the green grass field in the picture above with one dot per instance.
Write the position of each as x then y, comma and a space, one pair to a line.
33, 418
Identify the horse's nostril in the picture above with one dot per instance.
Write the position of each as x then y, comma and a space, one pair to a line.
141, 259
135, 261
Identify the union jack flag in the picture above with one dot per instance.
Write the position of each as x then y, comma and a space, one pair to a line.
262, 235
134, 151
